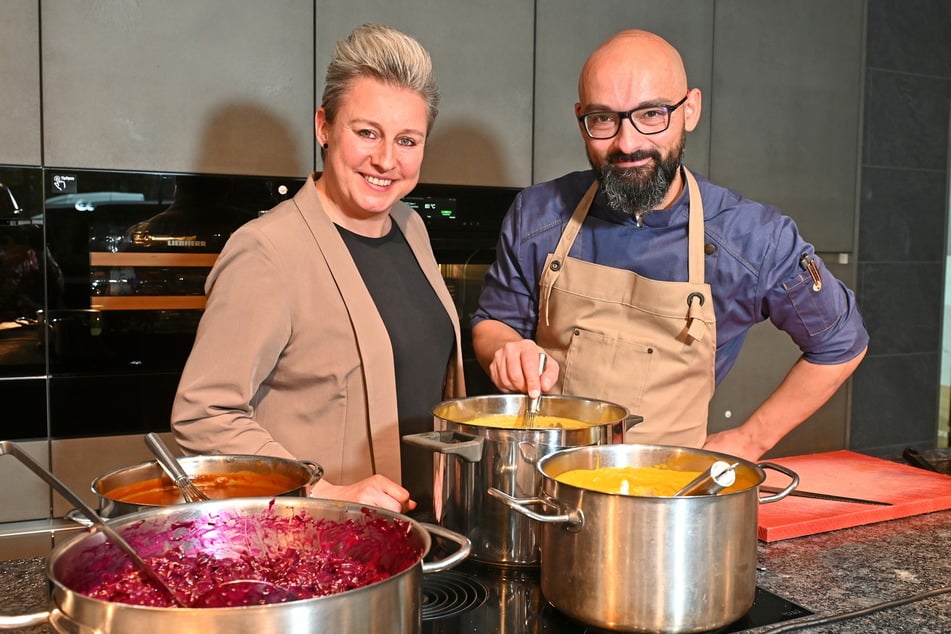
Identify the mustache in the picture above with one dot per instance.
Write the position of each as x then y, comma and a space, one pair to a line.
639, 155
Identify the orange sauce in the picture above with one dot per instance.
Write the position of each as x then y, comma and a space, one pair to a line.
159, 492
656, 481
517, 421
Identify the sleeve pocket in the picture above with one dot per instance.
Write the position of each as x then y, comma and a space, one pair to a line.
819, 310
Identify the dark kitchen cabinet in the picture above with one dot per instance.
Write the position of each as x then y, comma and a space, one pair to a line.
483, 58
568, 31
786, 119
786, 110
20, 82
217, 86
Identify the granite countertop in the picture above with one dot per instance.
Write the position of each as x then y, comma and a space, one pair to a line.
829, 574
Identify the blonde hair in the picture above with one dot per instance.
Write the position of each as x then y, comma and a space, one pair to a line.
383, 53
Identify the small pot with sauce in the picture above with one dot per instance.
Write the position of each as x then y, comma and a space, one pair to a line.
482, 443
145, 485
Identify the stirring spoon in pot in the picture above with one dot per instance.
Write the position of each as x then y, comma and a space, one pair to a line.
173, 469
7, 447
535, 404
719, 476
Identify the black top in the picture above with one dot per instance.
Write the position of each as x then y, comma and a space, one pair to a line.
421, 334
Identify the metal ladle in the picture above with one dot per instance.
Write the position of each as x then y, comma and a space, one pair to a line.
719, 476
238, 592
11, 448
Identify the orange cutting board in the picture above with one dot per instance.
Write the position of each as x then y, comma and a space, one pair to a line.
910, 490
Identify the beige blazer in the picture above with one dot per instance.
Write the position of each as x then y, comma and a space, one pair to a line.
291, 357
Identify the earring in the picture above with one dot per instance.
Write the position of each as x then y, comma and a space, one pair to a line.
325, 145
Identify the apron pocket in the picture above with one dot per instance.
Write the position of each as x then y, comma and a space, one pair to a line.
602, 367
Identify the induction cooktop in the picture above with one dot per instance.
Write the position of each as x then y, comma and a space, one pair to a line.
480, 599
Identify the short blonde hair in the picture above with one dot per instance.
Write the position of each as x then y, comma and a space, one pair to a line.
380, 52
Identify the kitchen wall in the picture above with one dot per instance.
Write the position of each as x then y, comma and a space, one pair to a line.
903, 222
836, 112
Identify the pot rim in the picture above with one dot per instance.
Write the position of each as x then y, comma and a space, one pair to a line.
760, 474
314, 474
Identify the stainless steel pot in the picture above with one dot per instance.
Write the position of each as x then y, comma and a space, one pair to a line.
391, 605
648, 564
472, 458
302, 474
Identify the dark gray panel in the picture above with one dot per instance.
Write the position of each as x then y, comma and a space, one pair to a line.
903, 215
218, 86
568, 31
910, 36
20, 79
787, 86
906, 121
902, 303
895, 401
482, 56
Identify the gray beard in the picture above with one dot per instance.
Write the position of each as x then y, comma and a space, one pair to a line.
637, 190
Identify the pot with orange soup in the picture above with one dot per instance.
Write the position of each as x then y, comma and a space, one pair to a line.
621, 552
482, 442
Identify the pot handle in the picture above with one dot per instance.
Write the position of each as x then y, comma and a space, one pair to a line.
789, 487
445, 564
632, 420
466, 446
316, 471
75, 515
574, 518
25, 620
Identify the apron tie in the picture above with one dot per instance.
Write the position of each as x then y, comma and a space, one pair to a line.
696, 326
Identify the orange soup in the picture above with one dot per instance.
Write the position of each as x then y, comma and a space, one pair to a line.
656, 481
517, 421
239, 484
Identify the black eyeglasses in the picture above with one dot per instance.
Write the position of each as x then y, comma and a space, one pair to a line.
605, 124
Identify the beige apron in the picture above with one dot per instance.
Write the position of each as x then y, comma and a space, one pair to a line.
645, 344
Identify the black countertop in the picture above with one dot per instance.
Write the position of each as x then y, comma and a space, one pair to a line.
829, 574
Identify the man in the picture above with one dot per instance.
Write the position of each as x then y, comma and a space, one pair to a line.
641, 281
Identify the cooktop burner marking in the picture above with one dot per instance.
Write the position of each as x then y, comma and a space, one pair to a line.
450, 593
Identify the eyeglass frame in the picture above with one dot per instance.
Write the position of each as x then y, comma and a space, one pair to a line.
669, 108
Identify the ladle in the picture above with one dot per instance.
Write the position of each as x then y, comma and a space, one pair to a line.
227, 594
242, 592
719, 476
8, 447
173, 469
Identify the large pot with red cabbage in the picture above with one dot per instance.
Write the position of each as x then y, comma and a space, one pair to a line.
346, 567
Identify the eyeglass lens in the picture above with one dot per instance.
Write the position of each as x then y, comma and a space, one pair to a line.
604, 125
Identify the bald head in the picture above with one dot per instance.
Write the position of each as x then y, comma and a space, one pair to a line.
645, 62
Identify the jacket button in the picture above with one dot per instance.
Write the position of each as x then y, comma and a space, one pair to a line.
709, 249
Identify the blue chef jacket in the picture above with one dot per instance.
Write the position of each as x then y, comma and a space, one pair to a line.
754, 264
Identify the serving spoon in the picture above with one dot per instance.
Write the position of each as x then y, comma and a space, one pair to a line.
11, 448
238, 592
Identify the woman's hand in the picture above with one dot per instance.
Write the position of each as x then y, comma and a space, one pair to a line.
377, 490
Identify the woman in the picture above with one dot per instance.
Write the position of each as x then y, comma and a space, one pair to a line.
328, 331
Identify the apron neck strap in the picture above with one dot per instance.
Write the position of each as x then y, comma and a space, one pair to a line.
695, 271
694, 230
